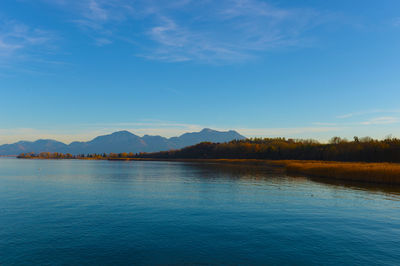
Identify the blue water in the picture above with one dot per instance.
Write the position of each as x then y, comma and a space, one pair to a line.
74, 212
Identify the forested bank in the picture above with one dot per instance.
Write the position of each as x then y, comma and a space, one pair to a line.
357, 150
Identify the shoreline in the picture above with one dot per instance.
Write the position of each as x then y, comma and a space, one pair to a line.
382, 173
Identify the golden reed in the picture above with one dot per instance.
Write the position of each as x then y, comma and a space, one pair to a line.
388, 173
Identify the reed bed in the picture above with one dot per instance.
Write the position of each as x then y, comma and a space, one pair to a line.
385, 173
388, 173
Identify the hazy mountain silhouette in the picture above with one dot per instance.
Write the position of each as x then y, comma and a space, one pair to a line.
29, 146
121, 141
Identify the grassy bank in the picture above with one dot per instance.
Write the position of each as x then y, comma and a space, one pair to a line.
385, 173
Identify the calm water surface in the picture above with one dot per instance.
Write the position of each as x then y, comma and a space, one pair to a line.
100, 212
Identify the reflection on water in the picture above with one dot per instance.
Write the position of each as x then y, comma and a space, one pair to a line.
278, 174
392, 191
237, 170
100, 212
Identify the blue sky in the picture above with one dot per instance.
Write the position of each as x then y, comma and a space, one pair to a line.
71, 70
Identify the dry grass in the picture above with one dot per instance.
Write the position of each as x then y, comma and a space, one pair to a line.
387, 173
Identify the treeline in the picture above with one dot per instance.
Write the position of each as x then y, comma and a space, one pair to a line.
52, 155
57, 155
359, 149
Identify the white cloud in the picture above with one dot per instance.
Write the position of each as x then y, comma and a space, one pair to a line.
368, 112
12, 135
19, 42
235, 31
324, 124
102, 41
384, 120
203, 30
349, 120
396, 22
95, 14
281, 132
95, 11
84, 132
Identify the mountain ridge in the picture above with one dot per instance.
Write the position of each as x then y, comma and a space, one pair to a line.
120, 141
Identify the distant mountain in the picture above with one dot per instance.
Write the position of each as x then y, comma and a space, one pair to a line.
206, 134
121, 141
29, 146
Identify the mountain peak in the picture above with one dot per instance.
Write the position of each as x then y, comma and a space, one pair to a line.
121, 141
207, 130
122, 132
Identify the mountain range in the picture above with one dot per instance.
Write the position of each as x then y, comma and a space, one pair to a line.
121, 141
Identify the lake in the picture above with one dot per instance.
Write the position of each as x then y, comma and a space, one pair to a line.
77, 212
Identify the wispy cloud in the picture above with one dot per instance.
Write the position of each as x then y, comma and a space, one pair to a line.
236, 30
274, 132
102, 41
324, 124
384, 120
19, 42
169, 128
364, 118
84, 132
187, 30
13, 135
368, 112
348, 115
396, 22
